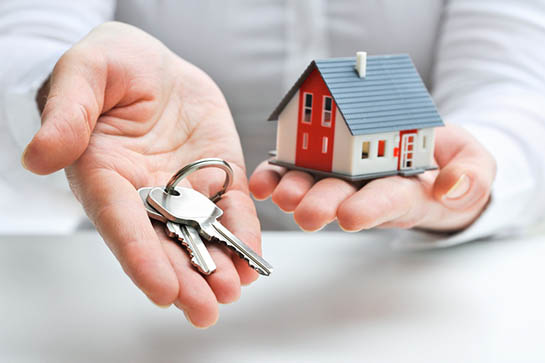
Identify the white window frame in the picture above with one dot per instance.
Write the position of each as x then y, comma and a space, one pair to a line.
325, 144
405, 143
324, 123
305, 141
368, 151
305, 107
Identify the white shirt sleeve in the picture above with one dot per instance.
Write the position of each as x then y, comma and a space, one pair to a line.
490, 78
33, 35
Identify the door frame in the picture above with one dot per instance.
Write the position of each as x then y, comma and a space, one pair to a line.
403, 143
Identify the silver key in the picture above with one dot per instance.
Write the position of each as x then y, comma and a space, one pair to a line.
190, 238
187, 235
193, 208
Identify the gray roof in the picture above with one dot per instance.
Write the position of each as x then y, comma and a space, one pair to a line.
391, 97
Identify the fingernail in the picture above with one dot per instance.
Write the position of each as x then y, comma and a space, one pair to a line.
162, 306
23, 158
158, 305
459, 188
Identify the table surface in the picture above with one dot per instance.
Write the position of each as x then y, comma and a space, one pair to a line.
332, 297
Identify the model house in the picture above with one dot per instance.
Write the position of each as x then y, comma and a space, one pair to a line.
357, 118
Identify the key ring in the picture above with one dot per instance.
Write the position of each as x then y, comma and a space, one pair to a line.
201, 164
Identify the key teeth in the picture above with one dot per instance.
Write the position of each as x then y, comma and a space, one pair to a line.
242, 256
191, 253
192, 257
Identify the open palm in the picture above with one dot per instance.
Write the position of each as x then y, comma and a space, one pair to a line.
123, 112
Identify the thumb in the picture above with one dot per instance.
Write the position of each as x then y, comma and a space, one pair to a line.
73, 105
467, 171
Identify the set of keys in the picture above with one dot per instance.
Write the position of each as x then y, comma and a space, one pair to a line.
190, 217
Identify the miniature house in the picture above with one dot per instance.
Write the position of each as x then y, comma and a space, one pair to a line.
357, 118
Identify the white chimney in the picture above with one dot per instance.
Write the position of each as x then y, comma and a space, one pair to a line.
361, 63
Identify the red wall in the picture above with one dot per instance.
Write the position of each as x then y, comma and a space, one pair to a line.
313, 157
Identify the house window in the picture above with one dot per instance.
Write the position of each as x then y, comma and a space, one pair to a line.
326, 112
324, 145
381, 148
365, 149
307, 108
424, 142
305, 140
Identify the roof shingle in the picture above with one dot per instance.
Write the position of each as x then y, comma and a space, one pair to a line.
391, 97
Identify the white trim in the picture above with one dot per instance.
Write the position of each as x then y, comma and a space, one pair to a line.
368, 149
305, 107
305, 141
324, 124
404, 152
324, 144
286, 134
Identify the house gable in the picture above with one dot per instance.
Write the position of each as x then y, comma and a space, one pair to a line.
288, 96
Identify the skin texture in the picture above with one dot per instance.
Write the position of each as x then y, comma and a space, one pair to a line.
121, 111
447, 200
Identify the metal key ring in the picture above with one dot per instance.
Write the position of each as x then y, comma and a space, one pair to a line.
201, 164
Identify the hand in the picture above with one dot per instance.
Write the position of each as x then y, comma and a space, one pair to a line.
449, 199
123, 112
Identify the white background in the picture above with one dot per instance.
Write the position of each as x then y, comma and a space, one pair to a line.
332, 297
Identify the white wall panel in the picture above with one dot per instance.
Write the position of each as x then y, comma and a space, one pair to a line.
342, 146
286, 137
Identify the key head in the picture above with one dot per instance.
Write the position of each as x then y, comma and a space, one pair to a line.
188, 207
152, 213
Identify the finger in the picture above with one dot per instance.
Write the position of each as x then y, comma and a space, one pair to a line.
467, 171
319, 205
291, 189
265, 179
116, 209
225, 281
195, 296
73, 106
241, 219
384, 200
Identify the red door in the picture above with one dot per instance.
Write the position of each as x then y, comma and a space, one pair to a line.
315, 124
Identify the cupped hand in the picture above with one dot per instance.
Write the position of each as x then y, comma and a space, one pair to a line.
448, 199
122, 112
